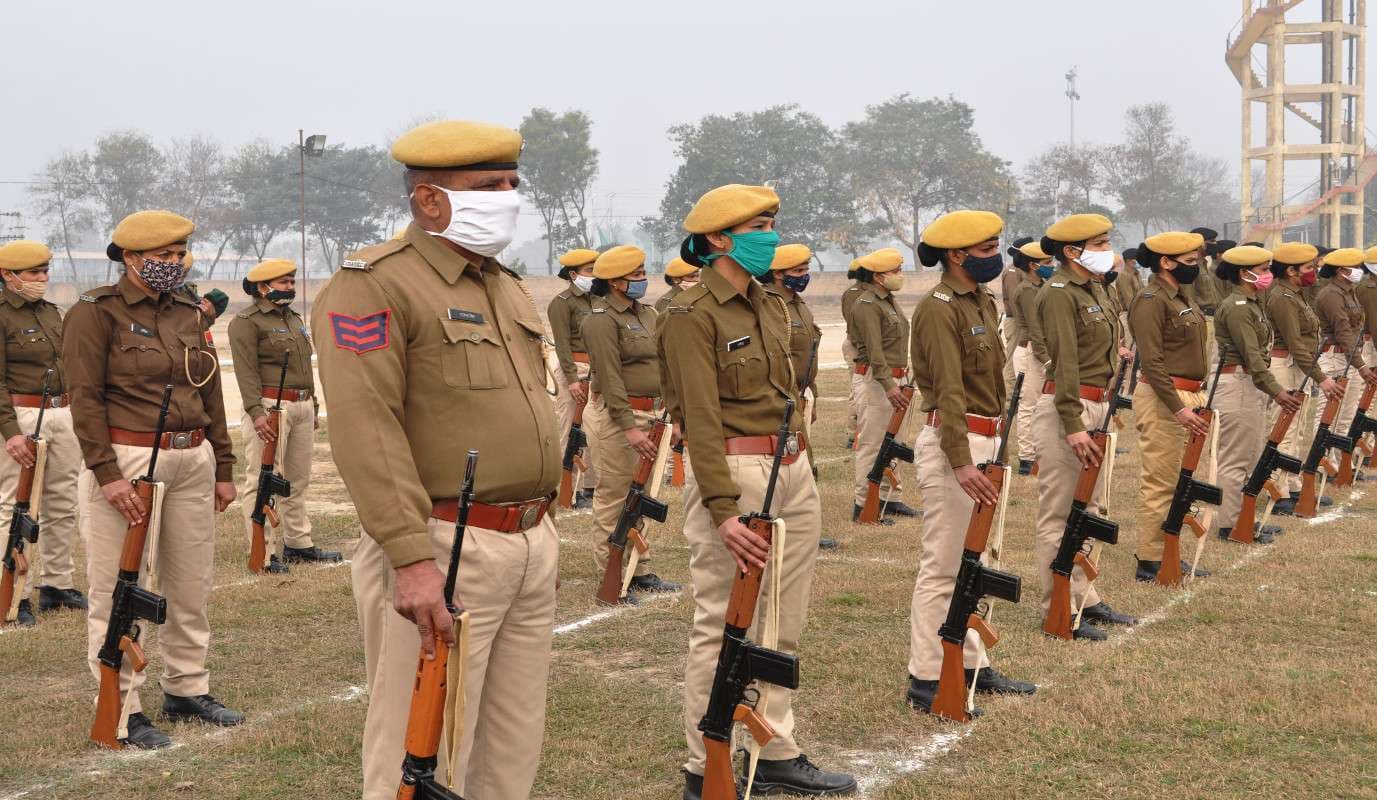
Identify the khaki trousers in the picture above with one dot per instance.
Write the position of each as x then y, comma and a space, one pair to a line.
618, 463
1006, 335
946, 513
1033, 377
1289, 376
713, 571
507, 583
368, 573
185, 558
1240, 407
52, 564
565, 408
1334, 364
1163, 442
849, 355
1059, 471
296, 431
873, 412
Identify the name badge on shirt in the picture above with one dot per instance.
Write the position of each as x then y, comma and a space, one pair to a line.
737, 344
466, 316
1093, 309
135, 327
634, 326
282, 330
28, 331
1185, 312
978, 330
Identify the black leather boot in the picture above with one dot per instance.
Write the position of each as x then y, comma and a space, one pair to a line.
1103, 614
856, 515
920, 695
50, 599
799, 776
144, 735
652, 583
898, 509
294, 555
24, 616
992, 681
1147, 571
276, 566
1089, 633
201, 708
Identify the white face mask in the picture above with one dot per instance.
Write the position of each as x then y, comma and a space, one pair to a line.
1354, 275
1371, 268
584, 282
1097, 261
482, 222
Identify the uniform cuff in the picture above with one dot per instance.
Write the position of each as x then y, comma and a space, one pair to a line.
1072, 424
959, 457
256, 412
887, 382
723, 509
107, 473
408, 548
11, 429
626, 420
224, 473
571, 376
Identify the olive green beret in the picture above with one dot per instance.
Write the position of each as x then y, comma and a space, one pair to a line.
884, 260
1034, 251
965, 228
1295, 253
456, 144
271, 269
1174, 243
727, 206
678, 268
24, 254
1346, 257
1079, 228
1247, 256
149, 230
618, 262
578, 258
788, 256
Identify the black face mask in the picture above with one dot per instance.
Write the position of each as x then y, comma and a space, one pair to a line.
1185, 274
1110, 277
281, 296
983, 270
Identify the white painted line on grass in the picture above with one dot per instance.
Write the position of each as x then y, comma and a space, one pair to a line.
580, 624
883, 767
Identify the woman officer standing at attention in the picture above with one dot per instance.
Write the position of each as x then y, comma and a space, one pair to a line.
566, 313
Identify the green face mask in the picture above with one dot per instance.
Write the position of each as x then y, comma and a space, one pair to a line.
754, 251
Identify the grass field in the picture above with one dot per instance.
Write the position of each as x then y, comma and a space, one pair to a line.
1254, 682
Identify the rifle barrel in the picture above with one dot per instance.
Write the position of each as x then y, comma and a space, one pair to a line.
779, 457
460, 523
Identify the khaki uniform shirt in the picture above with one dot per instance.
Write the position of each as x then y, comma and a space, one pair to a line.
33, 345
260, 337
121, 347
1297, 329
1341, 318
725, 355
1245, 339
879, 332
1024, 317
566, 313
620, 335
1170, 332
423, 356
1367, 295
1081, 333
1009, 283
804, 337
848, 301
1208, 290
667, 298
958, 361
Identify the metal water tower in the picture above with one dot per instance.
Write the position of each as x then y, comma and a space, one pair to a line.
1324, 110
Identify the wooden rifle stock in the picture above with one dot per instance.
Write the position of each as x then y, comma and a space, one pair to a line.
1059, 619
16, 563
1242, 531
566, 478
610, 591
870, 511
258, 543
1309, 499
1345, 476
677, 477
1169, 573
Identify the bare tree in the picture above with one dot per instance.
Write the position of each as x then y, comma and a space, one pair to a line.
60, 196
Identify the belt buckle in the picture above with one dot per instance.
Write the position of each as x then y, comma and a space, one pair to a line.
791, 444
54, 401
529, 515
181, 440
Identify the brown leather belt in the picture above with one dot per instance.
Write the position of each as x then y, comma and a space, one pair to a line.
579, 358
36, 400
1333, 348
1186, 384
1094, 394
641, 403
288, 395
766, 446
1280, 352
980, 426
504, 518
896, 372
172, 440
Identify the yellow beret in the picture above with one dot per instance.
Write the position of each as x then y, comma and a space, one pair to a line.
1347, 257
962, 229
1034, 251
1079, 227
148, 230
1247, 256
678, 268
884, 260
1295, 253
271, 269
618, 262
455, 144
24, 254
1174, 243
728, 206
1370, 256
579, 257
789, 256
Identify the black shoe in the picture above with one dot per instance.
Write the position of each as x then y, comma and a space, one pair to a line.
800, 776
295, 555
275, 566
826, 543
1326, 501
1200, 572
900, 510
1121, 451
992, 681
652, 583
50, 599
144, 735
1103, 614
1260, 536
856, 515
1285, 507
1025, 467
920, 695
584, 499
693, 786
1147, 571
1270, 530
1089, 633
24, 616
202, 708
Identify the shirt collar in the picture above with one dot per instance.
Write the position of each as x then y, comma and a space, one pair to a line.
449, 264
1157, 283
616, 303
953, 288
266, 306
721, 288
575, 290
1065, 272
14, 299
132, 294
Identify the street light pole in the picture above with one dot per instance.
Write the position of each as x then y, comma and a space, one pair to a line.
301, 153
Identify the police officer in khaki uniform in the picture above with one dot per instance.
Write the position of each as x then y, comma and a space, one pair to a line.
1342, 324
1367, 295
32, 328
849, 297
1029, 350
566, 313
429, 348
121, 345
261, 336
724, 353
1081, 334
620, 335
879, 331
1013, 278
679, 275
958, 364
1246, 382
1171, 336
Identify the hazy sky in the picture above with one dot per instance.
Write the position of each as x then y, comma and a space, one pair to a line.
360, 70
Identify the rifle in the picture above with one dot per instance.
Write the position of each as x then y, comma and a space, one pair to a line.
742, 661
640, 502
1082, 524
676, 478
131, 603
23, 527
1318, 457
1358, 430
1124, 402
975, 581
807, 407
426, 720
891, 449
1188, 492
1271, 460
271, 484
572, 458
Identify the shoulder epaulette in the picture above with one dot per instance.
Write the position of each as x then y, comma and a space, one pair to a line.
87, 298
1057, 284
368, 257
600, 310
1240, 302
512, 273
943, 296
1147, 294
246, 313
865, 301
678, 309
97, 293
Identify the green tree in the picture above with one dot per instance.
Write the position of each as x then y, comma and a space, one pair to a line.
263, 183
126, 174
558, 166
347, 205
61, 197
1062, 180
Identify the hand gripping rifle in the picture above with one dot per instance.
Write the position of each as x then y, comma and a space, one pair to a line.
891, 449
573, 458
271, 484
426, 721
1260, 480
1358, 430
1189, 491
1318, 457
640, 502
1083, 525
23, 527
974, 581
742, 661
131, 603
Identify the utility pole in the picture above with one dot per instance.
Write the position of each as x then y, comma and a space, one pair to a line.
305, 274
1072, 95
